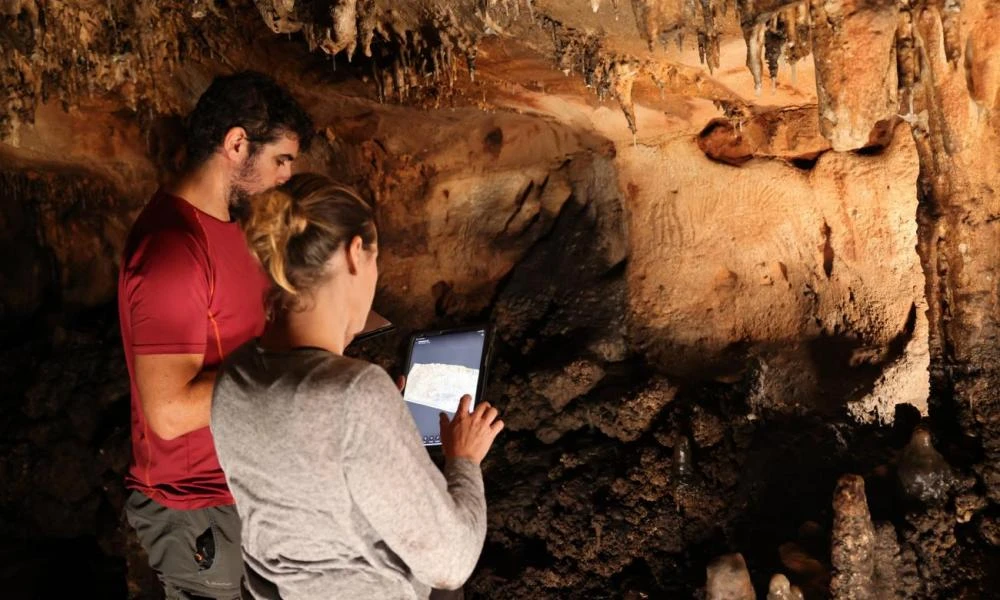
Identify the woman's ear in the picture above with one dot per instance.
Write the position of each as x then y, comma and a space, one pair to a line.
354, 253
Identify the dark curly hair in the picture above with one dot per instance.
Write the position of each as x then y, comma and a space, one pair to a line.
250, 100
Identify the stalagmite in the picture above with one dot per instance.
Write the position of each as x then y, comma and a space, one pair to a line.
728, 579
924, 475
780, 588
853, 545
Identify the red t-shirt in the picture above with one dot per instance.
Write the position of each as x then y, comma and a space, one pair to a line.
188, 285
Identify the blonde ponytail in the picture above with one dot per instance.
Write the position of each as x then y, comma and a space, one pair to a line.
269, 231
294, 229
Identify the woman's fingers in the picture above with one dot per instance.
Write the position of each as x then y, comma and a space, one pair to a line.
470, 435
480, 409
463, 405
490, 414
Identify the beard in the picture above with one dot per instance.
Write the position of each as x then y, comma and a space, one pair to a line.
239, 204
247, 179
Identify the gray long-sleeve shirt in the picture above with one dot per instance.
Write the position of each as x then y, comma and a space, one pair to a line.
337, 495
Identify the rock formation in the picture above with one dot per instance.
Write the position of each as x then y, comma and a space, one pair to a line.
723, 244
853, 550
924, 475
728, 579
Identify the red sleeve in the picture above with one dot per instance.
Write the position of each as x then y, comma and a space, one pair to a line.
168, 293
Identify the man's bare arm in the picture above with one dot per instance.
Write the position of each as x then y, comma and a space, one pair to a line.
176, 392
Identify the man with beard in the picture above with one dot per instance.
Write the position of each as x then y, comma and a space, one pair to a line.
189, 293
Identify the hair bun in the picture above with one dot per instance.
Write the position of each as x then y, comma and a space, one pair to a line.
295, 229
297, 222
270, 210
273, 222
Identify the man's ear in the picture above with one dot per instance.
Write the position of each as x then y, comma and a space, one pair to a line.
236, 144
354, 250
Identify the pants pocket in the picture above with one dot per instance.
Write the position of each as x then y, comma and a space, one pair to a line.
192, 555
204, 549
226, 568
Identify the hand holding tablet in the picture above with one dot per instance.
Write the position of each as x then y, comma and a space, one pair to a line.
443, 366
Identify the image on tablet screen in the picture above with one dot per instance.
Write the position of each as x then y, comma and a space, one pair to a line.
442, 369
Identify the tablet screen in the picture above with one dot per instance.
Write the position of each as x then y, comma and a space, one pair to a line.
443, 367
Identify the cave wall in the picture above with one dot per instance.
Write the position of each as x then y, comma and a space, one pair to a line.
680, 260
768, 255
957, 132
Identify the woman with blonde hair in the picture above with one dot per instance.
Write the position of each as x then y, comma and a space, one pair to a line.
338, 497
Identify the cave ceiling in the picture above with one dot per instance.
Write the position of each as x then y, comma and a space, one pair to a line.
678, 57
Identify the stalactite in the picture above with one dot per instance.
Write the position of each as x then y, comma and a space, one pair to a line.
579, 52
773, 29
908, 64
708, 34
799, 44
379, 83
367, 17
755, 54
60, 51
647, 19
737, 113
345, 27
435, 65
470, 62
279, 17
623, 76
774, 45
951, 24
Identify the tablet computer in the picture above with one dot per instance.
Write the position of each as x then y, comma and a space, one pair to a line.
375, 325
441, 367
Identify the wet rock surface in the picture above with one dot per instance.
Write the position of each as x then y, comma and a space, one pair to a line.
692, 223
65, 450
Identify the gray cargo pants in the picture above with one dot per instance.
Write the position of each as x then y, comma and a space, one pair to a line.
195, 553
176, 541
